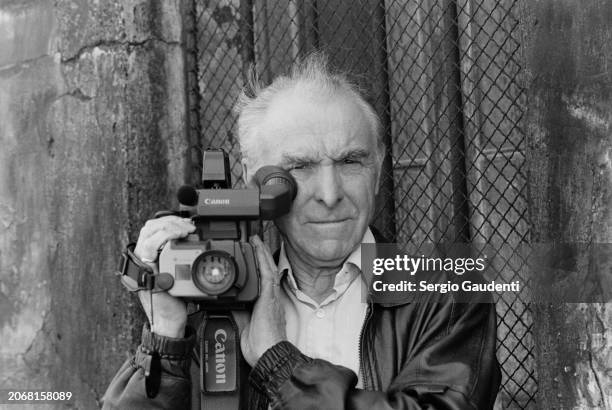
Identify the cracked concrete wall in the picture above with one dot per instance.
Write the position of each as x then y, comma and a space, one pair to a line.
93, 141
567, 51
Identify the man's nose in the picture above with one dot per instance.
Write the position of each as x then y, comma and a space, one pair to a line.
328, 186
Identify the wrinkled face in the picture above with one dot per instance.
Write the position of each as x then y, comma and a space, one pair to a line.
328, 147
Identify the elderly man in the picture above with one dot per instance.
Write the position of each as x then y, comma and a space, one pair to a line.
312, 340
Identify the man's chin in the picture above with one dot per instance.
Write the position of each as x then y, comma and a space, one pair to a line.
329, 246
331, 252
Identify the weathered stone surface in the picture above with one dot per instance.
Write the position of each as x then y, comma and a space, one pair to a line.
567, 47
18, 42
92, 133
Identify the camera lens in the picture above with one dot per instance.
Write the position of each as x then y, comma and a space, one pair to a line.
214, 272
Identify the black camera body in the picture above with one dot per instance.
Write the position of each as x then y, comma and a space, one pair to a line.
216, 264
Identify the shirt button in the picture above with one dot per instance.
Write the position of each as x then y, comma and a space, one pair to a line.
320, 313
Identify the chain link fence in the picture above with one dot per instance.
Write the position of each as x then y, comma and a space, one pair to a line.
444, 78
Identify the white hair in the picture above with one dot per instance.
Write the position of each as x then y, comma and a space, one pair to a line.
311, 76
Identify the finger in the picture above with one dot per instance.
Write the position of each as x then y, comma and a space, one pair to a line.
149, 247
245, 346
182, 225
160, 238
267, 267
150, 227
267, 276
145, 301
244, 335
242, 319
268, 254
154, 225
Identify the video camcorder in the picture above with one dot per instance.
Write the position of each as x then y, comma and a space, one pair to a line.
216, 264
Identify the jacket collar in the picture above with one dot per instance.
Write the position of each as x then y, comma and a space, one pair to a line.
372, 235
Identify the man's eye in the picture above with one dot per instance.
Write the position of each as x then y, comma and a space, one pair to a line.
349, 161
300, 166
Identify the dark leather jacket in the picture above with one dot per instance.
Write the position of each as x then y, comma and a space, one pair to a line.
434, 354
438, 355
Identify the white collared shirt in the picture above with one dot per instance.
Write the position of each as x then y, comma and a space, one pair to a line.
329, 330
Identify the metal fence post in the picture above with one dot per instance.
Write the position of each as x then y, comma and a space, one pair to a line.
247, 36
460, 221
386, 202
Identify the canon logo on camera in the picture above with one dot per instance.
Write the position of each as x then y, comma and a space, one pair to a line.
220, 338
212, 201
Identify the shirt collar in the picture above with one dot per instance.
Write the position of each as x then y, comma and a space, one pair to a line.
284, 267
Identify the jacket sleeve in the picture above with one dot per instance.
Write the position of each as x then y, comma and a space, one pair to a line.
453, 367
167, 361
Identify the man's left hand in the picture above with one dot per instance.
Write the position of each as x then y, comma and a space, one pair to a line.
267, 325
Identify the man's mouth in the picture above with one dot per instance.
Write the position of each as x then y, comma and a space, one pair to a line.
328, 221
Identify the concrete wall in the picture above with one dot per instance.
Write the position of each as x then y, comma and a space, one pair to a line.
92, 141
567, 47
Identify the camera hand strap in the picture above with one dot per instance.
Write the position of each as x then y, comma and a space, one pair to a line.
219, 362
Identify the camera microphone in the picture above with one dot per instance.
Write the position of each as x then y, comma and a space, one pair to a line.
187, 195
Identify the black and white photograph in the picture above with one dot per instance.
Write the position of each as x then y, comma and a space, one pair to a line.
306, 204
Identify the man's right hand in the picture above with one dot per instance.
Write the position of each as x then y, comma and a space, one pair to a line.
169, 313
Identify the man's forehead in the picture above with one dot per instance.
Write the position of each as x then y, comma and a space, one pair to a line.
282, 149
292, 109
308, 128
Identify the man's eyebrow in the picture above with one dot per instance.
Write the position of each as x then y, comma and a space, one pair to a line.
288, 159
356, 153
